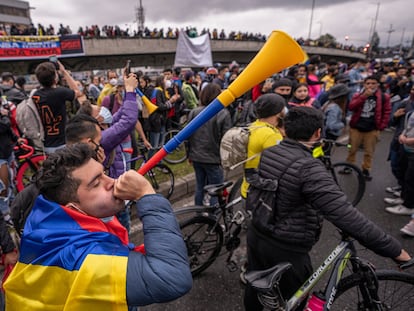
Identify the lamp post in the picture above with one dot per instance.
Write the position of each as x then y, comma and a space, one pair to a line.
320, 28
374, 29
311, 19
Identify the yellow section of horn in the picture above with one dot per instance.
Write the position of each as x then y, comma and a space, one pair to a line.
148, 104
279, 52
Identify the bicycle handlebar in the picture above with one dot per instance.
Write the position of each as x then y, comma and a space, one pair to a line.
30, 150
406, 264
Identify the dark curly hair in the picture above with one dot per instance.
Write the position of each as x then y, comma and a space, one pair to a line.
55, 181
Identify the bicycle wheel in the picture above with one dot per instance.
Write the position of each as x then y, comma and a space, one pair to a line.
178, 155
26, 171
203, 238
350, 179
395, 291
162, 179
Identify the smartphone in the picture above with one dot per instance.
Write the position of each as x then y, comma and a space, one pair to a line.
53, 59
128, 67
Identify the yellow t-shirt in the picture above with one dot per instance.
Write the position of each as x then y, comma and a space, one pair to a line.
262, 136
329, 82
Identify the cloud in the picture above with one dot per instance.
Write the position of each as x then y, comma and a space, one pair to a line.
340, 18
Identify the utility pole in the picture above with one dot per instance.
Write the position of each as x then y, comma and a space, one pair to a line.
140, 17
391, 30
311, 19
402, 40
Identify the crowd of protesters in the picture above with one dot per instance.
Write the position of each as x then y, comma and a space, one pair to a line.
115, 31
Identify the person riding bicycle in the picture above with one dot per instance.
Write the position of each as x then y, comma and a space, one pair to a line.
306, 194
72, 254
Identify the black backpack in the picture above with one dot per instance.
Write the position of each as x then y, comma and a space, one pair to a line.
261, 199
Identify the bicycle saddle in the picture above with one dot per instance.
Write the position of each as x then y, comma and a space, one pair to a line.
215, 189
263, 280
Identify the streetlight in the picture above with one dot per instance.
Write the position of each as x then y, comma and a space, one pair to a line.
311, 19
320, 28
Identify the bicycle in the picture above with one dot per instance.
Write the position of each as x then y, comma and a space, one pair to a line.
363, 289
28, 163
347, 176
161, 176
179, 155
211, 228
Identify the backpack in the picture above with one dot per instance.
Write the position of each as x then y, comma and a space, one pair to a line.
233, 147
261, 198
247, 114
29, 122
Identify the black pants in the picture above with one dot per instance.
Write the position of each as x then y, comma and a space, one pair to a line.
263, 254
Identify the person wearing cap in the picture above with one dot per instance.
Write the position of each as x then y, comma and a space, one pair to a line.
189, 94
334, 111
264, 132
211, 74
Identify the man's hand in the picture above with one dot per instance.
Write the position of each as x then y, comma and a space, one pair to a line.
10, 258
131, 82
404, 256
399, 112
132, 186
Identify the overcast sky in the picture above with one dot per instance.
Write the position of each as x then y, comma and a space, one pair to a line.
340, 18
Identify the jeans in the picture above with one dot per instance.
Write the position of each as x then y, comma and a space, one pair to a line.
6, 186
408, 186
206, 174
156, 141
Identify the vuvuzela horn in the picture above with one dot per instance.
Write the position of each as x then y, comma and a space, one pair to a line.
150, 106
279, 52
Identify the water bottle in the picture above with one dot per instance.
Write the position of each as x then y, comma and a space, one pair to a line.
316, 302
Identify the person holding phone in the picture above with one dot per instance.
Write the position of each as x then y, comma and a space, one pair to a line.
371, 111
50, 100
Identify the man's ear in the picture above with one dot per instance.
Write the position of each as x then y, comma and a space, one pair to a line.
316, 135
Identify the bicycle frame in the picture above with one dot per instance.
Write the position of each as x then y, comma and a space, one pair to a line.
338, 258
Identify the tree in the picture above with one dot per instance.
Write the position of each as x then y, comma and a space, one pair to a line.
375, 41
327, 40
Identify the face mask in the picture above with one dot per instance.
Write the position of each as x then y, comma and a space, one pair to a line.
106, 115
80, 88
168, 84
113, 81
73, 206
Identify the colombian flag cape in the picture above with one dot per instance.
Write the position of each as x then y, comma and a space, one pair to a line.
69, 261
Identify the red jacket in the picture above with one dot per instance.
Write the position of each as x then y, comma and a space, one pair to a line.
382, 109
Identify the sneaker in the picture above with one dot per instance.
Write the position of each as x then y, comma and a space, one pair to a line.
393, 189
400, 210
393, 201
366, 174
408, 229
345, 171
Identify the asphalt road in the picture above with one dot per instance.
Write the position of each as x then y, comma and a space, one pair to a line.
218, 289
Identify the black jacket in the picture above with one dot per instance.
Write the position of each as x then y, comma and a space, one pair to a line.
307, 193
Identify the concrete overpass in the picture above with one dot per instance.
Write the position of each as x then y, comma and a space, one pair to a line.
107, 53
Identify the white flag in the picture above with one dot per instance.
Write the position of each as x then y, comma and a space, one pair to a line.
193, 52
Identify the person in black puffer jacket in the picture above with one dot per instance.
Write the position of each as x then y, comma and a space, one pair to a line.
306, 194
